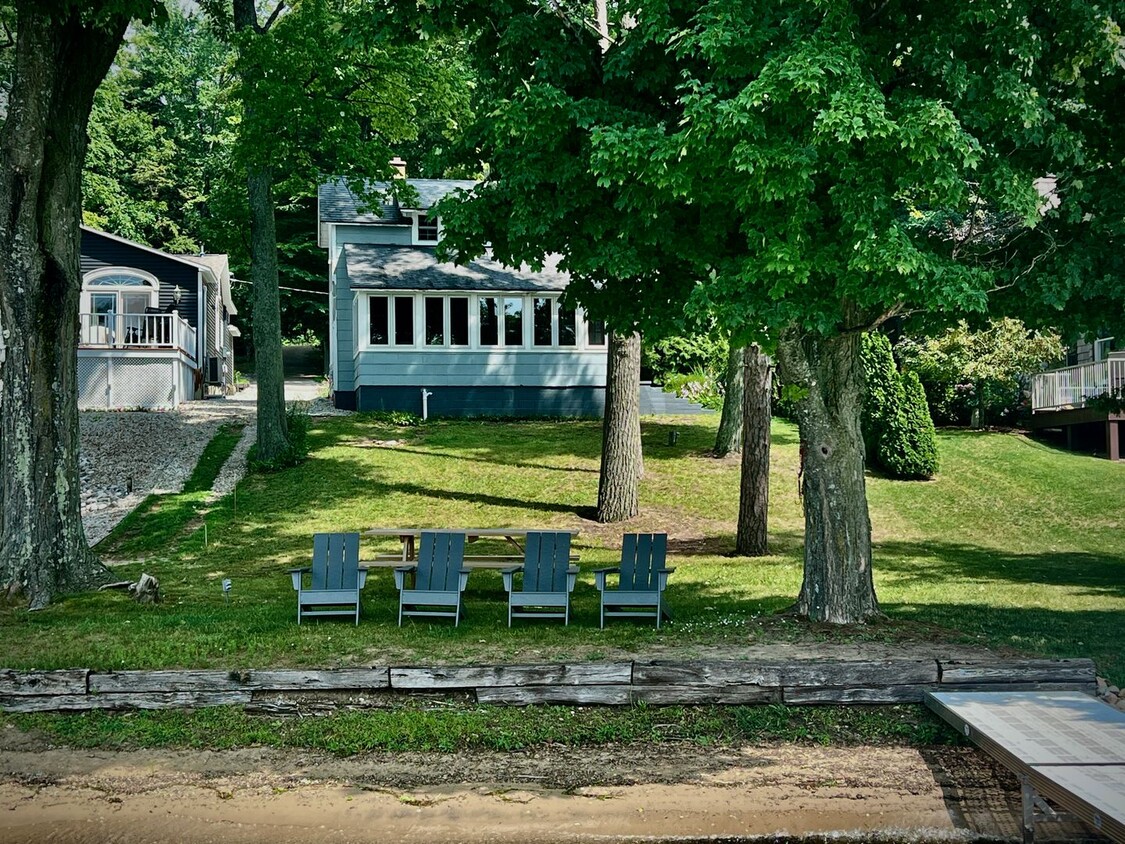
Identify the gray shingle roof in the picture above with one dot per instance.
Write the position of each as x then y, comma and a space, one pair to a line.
417, 268
340, 205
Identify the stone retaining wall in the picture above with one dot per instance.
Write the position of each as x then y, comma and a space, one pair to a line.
612, 683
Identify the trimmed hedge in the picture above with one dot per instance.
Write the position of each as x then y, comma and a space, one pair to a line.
897, 429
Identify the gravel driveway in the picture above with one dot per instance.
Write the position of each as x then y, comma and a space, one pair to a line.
125, 456
128, 455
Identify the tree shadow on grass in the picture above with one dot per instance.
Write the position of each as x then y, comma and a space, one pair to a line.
1059, 634
917, 562
781, 544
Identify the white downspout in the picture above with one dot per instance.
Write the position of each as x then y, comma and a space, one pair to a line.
426, 404
201, 323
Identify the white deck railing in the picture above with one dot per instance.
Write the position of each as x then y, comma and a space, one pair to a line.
1071, 386
136, 331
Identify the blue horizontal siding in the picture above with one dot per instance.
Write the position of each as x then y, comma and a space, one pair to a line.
481, 368
345, 342
487, 401
375, 235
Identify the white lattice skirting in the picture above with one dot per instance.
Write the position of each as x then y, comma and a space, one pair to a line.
117, 381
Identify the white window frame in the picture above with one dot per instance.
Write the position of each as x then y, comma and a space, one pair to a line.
363, 317
415, 232
85, 305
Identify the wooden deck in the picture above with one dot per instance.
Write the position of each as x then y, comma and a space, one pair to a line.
1066, 747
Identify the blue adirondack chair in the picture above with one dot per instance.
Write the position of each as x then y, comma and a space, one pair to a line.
641, 582
439, 577
336, 578
548, 579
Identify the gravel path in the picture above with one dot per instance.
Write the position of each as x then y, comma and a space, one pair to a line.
126, 456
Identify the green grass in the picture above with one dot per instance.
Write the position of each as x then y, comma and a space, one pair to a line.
413, 727
159, 519
1014, 545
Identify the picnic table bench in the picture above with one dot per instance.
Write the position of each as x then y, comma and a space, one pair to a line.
516, 537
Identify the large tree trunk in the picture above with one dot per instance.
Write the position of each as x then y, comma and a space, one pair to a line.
754, 484
621, 431
729, 437
59, 63
837, 587
273, 439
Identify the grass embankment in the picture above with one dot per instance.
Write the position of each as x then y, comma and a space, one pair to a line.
413, 727
1014, 545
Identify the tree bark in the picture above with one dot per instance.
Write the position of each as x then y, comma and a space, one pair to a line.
59, 62
837, 586
621, 431
729, 437
754, 484
273, 438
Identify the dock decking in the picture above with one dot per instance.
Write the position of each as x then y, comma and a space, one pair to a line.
1066, 747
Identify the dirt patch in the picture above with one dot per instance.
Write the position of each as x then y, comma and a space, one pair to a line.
554, 794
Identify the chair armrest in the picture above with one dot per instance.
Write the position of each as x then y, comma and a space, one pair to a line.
508, 574
400, 575
571, 577
295, 576
362, 578
599, 576
463, 581
662, 577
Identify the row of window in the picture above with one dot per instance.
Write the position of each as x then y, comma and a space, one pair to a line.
479, 321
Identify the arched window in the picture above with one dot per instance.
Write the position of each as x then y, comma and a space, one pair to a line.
119, 290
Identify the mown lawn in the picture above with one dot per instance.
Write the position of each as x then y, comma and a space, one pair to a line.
1014, 545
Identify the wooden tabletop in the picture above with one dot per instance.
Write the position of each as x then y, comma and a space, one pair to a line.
502, 532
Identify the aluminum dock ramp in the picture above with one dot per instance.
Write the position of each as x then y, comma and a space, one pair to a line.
1066, 748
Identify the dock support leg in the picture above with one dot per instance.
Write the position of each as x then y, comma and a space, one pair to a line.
1027, 792
1112, 440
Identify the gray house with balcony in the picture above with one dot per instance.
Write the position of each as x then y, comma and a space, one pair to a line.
412, 333
154, 328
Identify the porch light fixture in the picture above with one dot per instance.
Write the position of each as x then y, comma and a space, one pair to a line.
177, 295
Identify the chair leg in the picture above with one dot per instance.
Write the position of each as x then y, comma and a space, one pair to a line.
400, 611
657, 610
601, 620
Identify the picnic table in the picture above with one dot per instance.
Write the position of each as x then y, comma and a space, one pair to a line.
515, 537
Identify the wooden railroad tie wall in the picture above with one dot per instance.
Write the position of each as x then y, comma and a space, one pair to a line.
612, 683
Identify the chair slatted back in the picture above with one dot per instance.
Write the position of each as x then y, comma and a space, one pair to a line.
642, 555
546, 557
441, 556
335, 563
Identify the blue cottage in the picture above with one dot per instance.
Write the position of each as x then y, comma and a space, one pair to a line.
412, 333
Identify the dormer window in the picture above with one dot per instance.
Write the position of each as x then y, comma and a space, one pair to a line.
427, 228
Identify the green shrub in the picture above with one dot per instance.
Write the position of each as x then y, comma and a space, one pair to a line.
698, 386
908, 448
883, 390
982, 371
683, 355
398, 418
898, 432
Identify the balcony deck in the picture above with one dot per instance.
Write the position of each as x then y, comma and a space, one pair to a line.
1061, 398
129, 332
